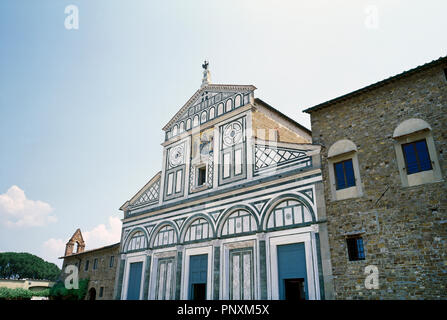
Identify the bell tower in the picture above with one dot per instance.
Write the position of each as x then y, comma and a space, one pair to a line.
76, 242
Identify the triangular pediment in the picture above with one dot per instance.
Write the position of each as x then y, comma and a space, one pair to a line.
206, 98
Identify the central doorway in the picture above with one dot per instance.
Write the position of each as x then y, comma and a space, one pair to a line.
292, 273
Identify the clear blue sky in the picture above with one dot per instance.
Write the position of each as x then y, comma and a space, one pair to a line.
81, 111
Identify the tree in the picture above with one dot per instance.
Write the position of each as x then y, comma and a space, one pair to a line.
21, 294
14, 265
59, 292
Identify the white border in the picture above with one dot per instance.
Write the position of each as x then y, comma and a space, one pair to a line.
308, 238
188, 252
155, 256
247, 241
132, 258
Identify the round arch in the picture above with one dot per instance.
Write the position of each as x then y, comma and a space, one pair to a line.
132, 233
228, 105
158, 228
410, 126
238, 101
227, 213
191, 220
269, 208
203, 117
341, 147
92, 294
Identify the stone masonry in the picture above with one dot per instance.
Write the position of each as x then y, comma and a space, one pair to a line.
404, 229
100, 276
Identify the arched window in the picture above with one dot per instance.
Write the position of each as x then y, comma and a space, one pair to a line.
188, 124
237, 101
240, 221
195, 122
211, 116
182, 127
288, 213
203, 117
220, 109
165, 236
228, 105
200, 229
138, 241
416, 154
174, 131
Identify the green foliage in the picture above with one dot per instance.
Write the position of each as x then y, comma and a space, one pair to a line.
21, 294
14, 265
59, 292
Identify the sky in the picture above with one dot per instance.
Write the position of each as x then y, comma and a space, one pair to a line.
82, 109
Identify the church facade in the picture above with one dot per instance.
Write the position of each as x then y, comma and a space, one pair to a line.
236, 212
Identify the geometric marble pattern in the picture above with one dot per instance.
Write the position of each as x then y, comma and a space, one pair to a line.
259, 205
150, 196
269, 156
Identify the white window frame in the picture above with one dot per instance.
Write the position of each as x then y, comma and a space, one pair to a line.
197, 168
340, 151
410, 131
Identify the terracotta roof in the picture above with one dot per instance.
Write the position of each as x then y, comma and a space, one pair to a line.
377, 84
91, 250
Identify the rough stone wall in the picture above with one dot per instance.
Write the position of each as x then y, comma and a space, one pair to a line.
103, 276
406, 230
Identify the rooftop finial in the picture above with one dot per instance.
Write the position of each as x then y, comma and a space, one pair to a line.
206, 74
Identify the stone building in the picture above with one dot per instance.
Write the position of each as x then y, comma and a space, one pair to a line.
237, 210
27, 284
98, 265
384, 162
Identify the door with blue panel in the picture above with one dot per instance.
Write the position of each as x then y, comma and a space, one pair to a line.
292, 274
198, 271
134, 283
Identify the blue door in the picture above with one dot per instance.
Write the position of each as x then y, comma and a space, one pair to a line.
198, 271
292, 273
133, 287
